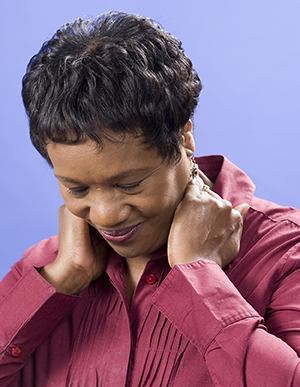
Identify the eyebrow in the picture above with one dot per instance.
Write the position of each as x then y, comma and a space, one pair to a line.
67, 179
118, 175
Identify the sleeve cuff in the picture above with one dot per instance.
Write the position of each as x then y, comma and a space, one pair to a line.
31, 310
200, 300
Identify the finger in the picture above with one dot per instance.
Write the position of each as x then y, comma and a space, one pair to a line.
198, 181
205, 179
242, 209
203, 188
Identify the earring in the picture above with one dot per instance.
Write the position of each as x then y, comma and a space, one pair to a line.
194, 169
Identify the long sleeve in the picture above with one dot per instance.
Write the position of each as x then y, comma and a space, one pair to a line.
30, 308
225, 328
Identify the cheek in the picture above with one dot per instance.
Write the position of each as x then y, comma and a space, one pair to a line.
164, 201
169, 191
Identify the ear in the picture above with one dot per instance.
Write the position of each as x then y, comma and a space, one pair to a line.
188, 141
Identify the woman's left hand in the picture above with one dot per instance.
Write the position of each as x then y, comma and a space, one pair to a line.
205, 227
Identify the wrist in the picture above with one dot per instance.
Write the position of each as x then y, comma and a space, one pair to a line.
181, 259
71, 282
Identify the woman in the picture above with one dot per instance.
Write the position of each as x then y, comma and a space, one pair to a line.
132, 293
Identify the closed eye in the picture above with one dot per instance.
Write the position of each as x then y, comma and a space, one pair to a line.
130, 187
77, 191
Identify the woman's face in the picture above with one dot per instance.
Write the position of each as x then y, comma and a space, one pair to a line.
125, 190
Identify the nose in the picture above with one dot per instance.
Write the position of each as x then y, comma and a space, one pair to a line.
109, 212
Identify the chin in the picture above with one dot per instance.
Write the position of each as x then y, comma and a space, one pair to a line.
133, 252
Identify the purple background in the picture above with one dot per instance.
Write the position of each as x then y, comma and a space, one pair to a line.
248, 57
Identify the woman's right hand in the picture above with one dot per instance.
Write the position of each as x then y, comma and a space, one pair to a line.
81, 258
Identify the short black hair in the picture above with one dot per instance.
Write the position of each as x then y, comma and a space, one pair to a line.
106, 76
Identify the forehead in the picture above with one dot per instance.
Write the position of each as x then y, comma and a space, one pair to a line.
116, 148
88, 158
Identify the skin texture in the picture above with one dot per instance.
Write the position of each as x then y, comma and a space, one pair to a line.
124, 184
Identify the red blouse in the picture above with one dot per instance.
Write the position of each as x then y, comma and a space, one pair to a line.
195, 325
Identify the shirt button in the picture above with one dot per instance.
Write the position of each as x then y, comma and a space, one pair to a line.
16, 351
150, 279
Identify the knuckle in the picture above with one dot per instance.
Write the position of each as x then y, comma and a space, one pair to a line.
223, 205
227, 205
238, 217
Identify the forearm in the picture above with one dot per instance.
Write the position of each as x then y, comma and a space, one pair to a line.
30, 311
224, 328
244, 353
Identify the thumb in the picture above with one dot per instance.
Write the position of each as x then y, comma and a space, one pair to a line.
242, 209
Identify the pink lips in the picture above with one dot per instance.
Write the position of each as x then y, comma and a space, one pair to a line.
120, 236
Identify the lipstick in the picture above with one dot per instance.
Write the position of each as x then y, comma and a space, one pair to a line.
120, 236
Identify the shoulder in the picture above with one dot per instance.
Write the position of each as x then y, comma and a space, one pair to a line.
271, 231
269, 222
275, 212
269, 253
